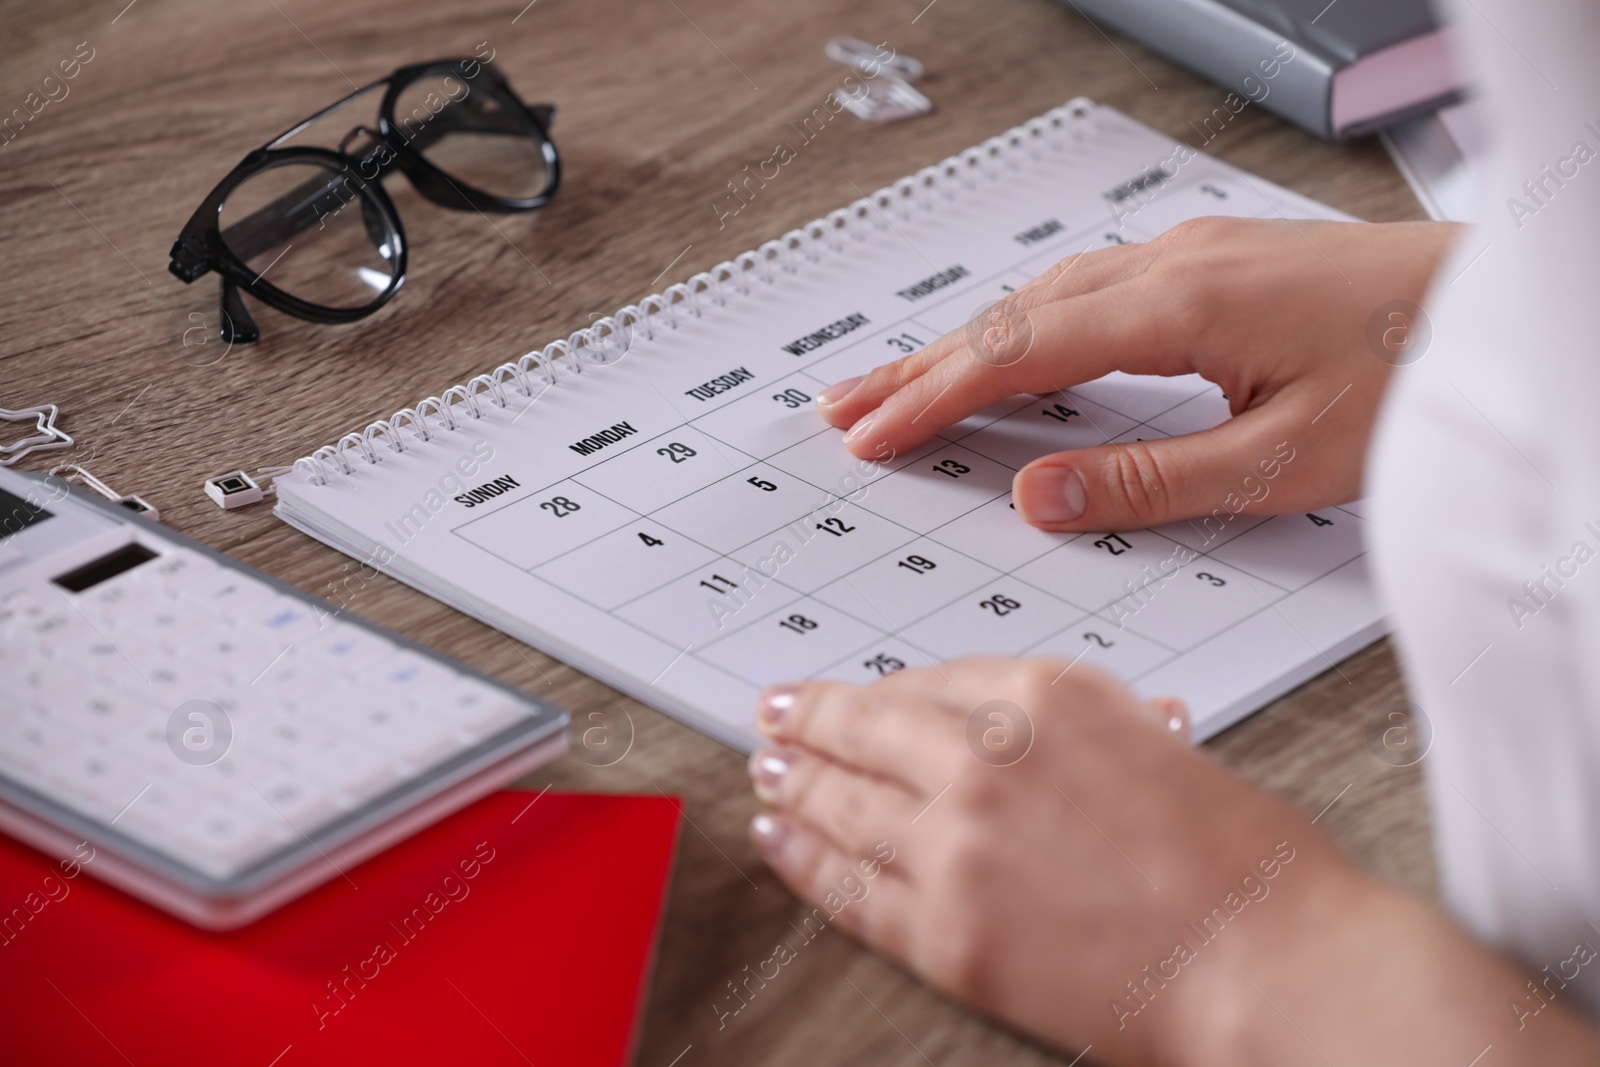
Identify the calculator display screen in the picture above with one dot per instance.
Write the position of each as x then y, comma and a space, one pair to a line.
16, 514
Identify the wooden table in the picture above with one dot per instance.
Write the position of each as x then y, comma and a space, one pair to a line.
661, 102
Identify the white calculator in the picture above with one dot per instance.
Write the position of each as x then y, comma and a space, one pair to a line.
217, 741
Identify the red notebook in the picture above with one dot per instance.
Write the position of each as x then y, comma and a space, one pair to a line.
520, 930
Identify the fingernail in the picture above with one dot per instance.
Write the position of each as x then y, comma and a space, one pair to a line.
839, 390
1050, 494
861, 430
767, 770
768, 832
1176, 713
773, 704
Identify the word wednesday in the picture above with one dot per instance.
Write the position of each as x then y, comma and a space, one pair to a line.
834, 330
595, 442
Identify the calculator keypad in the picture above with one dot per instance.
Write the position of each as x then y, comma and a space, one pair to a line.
118, 697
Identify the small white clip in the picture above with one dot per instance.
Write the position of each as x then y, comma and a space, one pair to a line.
236, 489
886, 94
137, 504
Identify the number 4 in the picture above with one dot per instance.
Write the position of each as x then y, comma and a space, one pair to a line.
650, 542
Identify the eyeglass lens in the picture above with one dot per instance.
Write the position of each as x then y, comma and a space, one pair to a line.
314, 232
473, 134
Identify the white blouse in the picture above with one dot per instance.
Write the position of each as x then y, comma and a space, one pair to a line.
1484, 482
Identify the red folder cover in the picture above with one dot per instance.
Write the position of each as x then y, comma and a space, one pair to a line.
519, 930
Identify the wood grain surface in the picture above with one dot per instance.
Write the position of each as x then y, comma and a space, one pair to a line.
661, 103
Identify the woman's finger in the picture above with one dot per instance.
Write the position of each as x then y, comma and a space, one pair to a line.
866, 895
852, 809
904, 734
1137, 327
846, 402
1133, 484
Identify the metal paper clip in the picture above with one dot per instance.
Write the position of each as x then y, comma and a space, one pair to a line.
71, 472
47, 438
885, 93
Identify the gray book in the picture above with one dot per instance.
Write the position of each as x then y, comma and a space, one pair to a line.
1338, 69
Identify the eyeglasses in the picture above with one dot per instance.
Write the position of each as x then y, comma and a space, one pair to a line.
310, 231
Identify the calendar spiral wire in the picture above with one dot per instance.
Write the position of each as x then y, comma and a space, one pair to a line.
614, 336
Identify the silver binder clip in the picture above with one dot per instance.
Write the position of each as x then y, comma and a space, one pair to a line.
884, 93
71, 472
47, 438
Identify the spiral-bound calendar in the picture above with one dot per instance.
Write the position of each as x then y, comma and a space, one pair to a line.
656, 501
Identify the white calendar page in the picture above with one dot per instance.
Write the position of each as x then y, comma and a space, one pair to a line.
683, 525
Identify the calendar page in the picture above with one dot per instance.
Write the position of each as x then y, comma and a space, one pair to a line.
682, 524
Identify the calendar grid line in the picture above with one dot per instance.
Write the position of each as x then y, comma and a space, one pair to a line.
832, 495
903, 512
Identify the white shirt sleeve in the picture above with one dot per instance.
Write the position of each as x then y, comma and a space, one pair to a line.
1485, 491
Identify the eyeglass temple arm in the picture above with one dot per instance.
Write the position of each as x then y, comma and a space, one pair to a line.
235, 325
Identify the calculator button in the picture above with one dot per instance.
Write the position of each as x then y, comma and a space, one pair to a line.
237, 653
285, 619
295, 799
224, 592
106, 778
414, 675
345, 647
477, 710
157, 620
175, 568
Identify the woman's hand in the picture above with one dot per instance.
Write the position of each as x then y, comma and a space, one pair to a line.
1276, 313
1036, 842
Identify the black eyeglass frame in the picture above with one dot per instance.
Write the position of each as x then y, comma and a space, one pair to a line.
201, 248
